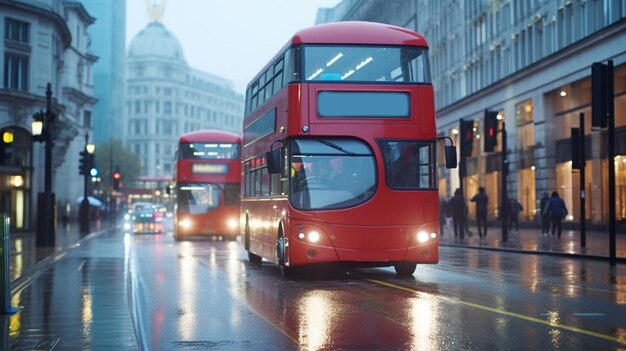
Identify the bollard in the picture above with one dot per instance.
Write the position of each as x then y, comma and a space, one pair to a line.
5, 272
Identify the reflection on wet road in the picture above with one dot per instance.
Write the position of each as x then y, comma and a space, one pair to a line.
205, 295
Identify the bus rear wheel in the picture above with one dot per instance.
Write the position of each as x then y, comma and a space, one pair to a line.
405, 269
254, 259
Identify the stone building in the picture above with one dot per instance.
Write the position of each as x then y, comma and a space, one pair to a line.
43, 42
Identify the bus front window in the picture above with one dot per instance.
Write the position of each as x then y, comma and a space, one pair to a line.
328, 173
198, 198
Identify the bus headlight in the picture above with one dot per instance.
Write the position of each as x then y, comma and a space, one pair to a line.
423, 236
232, 224
314, 237
311, 237
185, 224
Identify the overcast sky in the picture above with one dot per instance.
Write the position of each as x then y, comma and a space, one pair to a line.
232, 39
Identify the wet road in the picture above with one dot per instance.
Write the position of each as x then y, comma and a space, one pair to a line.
151, 292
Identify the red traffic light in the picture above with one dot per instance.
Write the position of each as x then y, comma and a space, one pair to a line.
117, 175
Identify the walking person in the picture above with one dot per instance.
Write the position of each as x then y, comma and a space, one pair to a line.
545, 218
515, 208
442, 214
459, 211
481, 199
557, 211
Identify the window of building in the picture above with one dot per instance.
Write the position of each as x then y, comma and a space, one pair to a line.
16, 30
16, 72
525, 126
87, 118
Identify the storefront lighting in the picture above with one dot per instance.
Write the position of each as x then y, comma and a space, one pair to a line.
455, 131
16, 181
563, 93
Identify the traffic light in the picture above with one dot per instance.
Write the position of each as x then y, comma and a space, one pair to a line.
83, 166
490, 134
86, 163
117, 178
467, 138
6, 148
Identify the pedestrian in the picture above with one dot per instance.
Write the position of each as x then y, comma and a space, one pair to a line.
481, 199
442, 214
515, 209
545, 218
557, 211
459, 211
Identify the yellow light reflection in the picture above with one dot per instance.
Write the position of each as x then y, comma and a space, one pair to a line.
316, 315
87, 311
187, 272
423, 313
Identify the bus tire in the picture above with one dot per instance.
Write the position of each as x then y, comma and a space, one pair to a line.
289, 273
405, 269
246, 235
254, 259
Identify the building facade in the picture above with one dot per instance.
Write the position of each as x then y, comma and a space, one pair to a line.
165, 98
108, 38
530, 61
42, 43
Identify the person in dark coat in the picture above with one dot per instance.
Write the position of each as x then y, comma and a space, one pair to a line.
481, 199
459, 211
557, 211
515, 209
442, 214
545, 218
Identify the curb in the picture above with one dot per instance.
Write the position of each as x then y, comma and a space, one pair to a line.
619, 260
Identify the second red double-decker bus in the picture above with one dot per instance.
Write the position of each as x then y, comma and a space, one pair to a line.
207, 184
339, 151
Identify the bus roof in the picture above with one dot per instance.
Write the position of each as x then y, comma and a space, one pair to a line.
210, 135
358, 32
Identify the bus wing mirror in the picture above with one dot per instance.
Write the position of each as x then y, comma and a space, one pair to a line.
450, 153
273, 161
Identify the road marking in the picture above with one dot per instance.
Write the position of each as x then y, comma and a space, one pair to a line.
504, 312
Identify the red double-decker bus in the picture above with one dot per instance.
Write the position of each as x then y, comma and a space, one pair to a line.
207, 184
340, 151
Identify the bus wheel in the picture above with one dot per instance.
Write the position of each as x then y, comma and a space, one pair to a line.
405, 269
288, 272
254, 259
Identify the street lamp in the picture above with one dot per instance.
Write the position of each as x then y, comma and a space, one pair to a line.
46, 204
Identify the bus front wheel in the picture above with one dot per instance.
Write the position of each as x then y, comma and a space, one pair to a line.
405, 269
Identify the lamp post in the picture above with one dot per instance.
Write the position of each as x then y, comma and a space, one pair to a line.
84, 204
46, 204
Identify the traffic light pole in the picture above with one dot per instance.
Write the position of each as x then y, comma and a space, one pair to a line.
46, 202
504, 206
84, 205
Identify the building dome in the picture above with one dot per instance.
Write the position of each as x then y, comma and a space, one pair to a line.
156, 41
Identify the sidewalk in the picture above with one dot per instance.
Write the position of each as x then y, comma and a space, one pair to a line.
26, 258
531, 240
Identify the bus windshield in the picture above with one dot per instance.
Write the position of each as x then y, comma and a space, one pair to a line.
198, 198
331, 173
208, 151
366, 63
